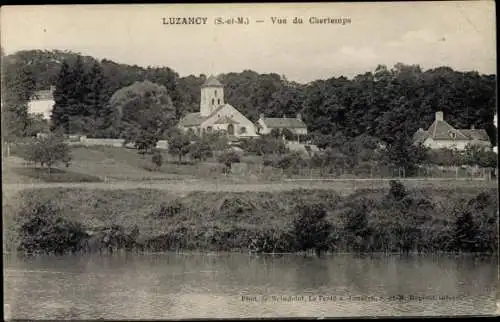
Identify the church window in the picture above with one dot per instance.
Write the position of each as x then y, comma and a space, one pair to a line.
215, 92
213, 101
218, 101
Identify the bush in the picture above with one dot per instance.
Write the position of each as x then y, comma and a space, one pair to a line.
157, 159
43, 230
311, 230
228, 158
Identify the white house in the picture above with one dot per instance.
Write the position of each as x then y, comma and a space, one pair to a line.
42, 102
215, 114
442, 135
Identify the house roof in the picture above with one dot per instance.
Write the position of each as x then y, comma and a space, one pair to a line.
275, 122
212, 81
42, 95
420, 136
441, 130
479, 135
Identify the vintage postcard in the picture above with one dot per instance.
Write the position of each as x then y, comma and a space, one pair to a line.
313, 160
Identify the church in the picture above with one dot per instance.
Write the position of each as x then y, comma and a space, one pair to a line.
216, 115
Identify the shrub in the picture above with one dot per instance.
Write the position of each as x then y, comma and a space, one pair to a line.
228, 158
157, 159
43, 230
311, 230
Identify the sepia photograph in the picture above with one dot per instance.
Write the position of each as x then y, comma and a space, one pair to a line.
281, 160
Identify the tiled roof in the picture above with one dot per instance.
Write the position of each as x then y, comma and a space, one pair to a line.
226, 120
194, 119
42, 95
479, 135
212, 81
420, 136
441, 130
275, 122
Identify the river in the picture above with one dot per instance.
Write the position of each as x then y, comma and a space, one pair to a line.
177, 286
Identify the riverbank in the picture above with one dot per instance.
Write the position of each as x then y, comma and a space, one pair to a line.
397, 219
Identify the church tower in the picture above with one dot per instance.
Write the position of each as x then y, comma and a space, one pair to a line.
212, 96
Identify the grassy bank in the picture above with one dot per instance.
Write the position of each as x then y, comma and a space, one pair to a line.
375, 220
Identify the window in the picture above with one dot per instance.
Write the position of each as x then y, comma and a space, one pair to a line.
243, 130
218, 101
215, 92
213, 101
453, 135
209, 129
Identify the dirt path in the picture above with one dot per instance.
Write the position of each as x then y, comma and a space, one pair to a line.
342, 185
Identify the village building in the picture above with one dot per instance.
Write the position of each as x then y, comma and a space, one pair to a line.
442, 135
42, 102
294, 124
495, 148
216, 115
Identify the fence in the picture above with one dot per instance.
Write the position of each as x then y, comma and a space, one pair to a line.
83, 140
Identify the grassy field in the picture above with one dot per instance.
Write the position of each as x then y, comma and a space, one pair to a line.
100, 163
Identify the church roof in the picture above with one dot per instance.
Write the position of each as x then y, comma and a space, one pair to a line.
479, 135
226, 120
276, 122
195, 119
212, 81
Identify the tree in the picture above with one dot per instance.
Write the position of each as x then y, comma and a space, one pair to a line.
48, 151
200, 150
145, 113
179, 144
288, 134
228, 158
61, 111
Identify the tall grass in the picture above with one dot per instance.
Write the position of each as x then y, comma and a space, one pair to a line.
398, 219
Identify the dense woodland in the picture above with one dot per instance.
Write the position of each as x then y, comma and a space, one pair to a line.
388, 103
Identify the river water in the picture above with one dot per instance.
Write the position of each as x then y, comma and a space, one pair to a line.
176, 286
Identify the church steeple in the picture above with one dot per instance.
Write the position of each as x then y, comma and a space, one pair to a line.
212, 96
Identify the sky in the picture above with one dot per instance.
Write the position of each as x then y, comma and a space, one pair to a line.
459, 34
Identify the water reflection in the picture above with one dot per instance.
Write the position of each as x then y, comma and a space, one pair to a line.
203, 286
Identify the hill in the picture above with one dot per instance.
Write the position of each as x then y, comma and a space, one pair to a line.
386, 103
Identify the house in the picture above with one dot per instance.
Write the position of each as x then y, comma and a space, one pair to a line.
442, 135
42, 102
215, 114
294, 124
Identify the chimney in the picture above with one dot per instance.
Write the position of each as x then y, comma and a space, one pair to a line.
299, 116
439, 116
472, 127
420, 129
262, 116
284, 116
52, 89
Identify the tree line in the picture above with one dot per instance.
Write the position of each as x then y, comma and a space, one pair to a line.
102, 98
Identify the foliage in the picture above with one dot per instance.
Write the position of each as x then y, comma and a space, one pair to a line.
265, 145
179, 143
310, 228
157, 159
228, 158
145, 113
47, 151
387, 103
